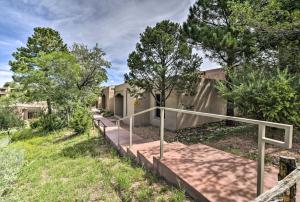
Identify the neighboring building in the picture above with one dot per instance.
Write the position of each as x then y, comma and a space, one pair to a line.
126, 105
206, 99
4, 91
106, 100
29, 111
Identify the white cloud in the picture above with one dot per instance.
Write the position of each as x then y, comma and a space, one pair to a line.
115, 25
5, 74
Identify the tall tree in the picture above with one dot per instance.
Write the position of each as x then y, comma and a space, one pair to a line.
163, 61
276, 27
267, 86
209, 27
43, 41
93, 65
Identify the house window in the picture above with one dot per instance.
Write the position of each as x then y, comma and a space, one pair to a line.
157, 111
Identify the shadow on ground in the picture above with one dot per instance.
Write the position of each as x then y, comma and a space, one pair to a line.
94, 147
66, 137
27, 134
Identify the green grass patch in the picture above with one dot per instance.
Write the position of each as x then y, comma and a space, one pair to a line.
59, 166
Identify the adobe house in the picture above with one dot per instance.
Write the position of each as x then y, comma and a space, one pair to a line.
126, 105
5, 91
106, 100
206, 99
29, 111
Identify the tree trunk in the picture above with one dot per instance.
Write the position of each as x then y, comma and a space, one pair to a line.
230, 101
49, 106
230, 105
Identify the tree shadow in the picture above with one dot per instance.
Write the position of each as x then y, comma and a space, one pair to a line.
27, 134
66, 137
93, 147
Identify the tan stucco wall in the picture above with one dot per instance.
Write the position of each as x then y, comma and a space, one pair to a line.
108, 93
205, 100
133, 105
121, 90
140, 105
170, 117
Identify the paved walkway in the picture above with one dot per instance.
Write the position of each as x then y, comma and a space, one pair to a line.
206, 173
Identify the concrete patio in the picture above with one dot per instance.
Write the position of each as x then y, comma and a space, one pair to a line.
206, 173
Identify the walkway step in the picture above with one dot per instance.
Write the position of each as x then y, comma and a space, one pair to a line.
146, 155
206, 173
212, 175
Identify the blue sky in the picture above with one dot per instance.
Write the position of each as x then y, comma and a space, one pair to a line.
113, 24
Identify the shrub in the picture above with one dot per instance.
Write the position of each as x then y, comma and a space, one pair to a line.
80, 120
271, 96
9, 119
35, 124
50, 122
107, 113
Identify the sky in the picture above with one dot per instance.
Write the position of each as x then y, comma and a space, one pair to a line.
114, 24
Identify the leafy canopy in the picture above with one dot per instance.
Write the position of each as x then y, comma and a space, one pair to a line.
45, 70
26, 71
275, 25
163, 61
44, 40
209, 27
264, 96
267, 86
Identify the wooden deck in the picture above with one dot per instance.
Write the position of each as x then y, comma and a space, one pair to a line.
206, 173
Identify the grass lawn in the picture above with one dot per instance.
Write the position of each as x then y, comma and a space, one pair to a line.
39, 166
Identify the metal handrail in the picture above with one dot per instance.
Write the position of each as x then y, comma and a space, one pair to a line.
262, 139
138, 113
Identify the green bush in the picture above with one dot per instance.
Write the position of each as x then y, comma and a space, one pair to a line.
9, 119
35, 124
50, 122
80, 120
107, 113
259, 94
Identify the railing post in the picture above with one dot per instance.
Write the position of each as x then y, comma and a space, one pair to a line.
261, 159
130, 132
286, 166
162, 122
118, 125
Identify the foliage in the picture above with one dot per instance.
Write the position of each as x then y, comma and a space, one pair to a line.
274, 25
77, 169
30, 74
62, 76
209, 26
45, 70
9, 119
261, 95
107, 113
81, 120
93, 66
11, 161
163, 61
53, 121
35, 124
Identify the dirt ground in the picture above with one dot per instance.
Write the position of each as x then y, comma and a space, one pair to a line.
239, 140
